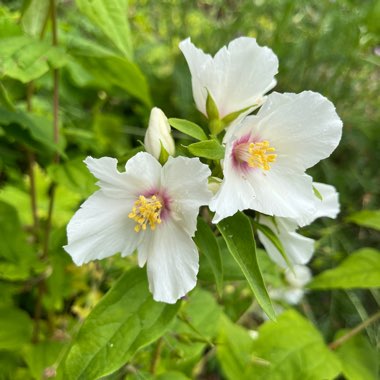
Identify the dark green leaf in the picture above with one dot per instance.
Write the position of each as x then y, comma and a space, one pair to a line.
208, 246
210, 149
188, 128
125, 320
361, 269
238, 234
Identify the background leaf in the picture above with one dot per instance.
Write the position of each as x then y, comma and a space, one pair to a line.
210, 149
366, 218
361, 269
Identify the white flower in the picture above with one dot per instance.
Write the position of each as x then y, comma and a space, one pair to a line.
149, 208
296, 278
299, 249
236, 78
267, 155
158, 133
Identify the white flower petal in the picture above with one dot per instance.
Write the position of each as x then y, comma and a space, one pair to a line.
292, 296
298, 248
298, 276
101, 228
186, 182
304, 128
327, 207
172, 262
144, 172
235, 193
237, 77
111, 181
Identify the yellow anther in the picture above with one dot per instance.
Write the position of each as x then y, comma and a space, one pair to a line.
146, 211
260, 156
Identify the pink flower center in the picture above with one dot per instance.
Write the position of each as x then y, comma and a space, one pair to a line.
254, 154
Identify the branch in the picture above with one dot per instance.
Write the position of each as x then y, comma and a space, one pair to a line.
337, 343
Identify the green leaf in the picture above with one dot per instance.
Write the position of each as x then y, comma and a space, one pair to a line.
237, 233
125, 320
16, 328
359, 359
16, 256
111, 17
208, 246
359, 270
274, 240
109, 72
74, 175
228, 119
234, 350
210, 149
366, 218
188, 128
41, 356
30, 129
25, 58
295, 350
4, 99
34, 16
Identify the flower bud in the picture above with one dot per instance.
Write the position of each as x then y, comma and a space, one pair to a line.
158, 140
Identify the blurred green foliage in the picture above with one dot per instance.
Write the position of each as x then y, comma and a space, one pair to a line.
114, 65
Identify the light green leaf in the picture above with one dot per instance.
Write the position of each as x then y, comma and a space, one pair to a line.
359, 270
238, 235
111, 17
208, 246
366, 218
359, 359
34, 16
210, 149
188, 128
295, 350
5, 100
125, 320
16, 256
25, 58
40, 356
16, 328
234, 350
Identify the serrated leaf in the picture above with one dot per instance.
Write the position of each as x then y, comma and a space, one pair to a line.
111, 17
210, 149
208, 246
125, 320
238, 235
366, 218
25, 58
188, 128
359, 270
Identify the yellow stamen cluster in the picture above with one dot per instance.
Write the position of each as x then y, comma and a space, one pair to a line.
260, 156
144, 211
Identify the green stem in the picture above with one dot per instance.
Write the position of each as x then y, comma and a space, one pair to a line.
337, 343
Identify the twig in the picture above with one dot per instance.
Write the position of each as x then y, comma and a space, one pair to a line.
337, 343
